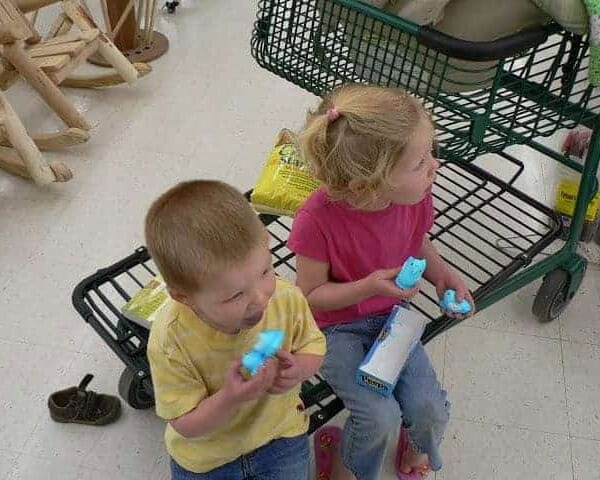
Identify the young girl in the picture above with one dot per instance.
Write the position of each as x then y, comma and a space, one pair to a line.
372, 149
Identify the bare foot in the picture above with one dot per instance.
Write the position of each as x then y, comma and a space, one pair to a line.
338, 471
414, 462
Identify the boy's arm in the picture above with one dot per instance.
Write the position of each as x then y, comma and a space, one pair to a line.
295, 368
306, 350
210, 414
217, 409
309, 364
182, 397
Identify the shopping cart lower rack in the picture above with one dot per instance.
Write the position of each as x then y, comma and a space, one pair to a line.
484, 227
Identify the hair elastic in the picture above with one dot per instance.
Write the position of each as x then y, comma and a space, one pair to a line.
333, 114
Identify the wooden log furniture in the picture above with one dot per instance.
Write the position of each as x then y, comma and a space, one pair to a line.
45, 64
130, 24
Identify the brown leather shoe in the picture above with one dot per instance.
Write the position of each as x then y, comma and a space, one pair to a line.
78, 405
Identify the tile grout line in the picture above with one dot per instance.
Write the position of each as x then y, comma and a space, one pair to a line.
555, 339
13, 468
37, 344
562, 362
41, 416
515, 426
587, 439
578, 342
10, 451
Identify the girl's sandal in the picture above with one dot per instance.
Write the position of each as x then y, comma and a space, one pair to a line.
326, 440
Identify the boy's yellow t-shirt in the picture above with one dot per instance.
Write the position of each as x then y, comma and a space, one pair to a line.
189, 360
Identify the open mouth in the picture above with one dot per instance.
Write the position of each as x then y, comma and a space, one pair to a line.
253, 320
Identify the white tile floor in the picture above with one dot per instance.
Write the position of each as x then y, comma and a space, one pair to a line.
525, 396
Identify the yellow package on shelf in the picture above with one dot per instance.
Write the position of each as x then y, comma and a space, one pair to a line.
285, 182
566, 198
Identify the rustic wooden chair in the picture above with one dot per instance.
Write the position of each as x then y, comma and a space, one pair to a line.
25, 159
45, 64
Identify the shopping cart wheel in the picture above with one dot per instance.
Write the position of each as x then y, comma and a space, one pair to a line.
553, 296
131, 389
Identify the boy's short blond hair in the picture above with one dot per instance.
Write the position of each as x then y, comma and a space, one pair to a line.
353, 139
197, 228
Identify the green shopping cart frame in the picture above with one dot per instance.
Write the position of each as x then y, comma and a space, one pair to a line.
484, 97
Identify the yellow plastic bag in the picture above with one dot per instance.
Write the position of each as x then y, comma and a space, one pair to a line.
566, 197
285, 182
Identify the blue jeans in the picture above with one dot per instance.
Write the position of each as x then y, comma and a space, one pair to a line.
281, 459
418, 401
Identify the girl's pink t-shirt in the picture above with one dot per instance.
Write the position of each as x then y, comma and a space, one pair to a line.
355, 243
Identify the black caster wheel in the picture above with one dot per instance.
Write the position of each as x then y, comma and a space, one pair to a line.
553, 296
131, 389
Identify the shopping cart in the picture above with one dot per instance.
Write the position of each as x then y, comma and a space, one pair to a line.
484, 97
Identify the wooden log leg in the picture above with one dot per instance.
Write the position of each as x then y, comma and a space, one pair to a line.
8, 77
36, 165
52, 141
104, 80
150, 29
16, 55
80, 17
122, 21
127, 13
60, 26
27, 6
12, 163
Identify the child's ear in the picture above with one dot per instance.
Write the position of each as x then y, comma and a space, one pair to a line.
179, 296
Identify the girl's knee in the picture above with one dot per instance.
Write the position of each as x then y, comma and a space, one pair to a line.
378, 418
428, 409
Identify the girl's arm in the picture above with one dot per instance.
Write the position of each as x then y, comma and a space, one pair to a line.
441, 275
437, 268
322, 294
313, 280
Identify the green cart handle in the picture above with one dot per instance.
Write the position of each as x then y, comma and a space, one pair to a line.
454, 47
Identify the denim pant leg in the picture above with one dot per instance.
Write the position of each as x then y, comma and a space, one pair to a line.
372, 417
230, 471
424, 405
280, 459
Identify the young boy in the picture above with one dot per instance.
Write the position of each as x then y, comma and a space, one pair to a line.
213, 253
